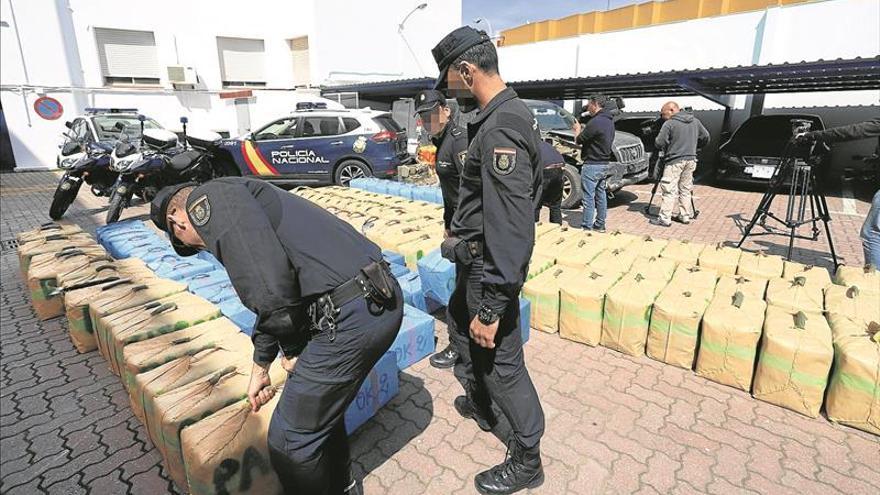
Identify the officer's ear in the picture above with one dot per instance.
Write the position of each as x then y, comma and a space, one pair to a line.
466, 71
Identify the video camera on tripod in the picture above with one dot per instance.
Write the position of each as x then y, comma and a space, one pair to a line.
796, 173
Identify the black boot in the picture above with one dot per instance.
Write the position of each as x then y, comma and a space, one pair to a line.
484, 416
521, 469
353, 486
445, 358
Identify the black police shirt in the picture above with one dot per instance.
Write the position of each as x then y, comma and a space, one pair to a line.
451, 154
499, 186
280, 250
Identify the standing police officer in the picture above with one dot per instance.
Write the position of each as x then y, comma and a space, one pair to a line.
320, 291
451, 142
491, 241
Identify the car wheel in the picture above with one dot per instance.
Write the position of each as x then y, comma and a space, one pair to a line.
572, 189
351, 169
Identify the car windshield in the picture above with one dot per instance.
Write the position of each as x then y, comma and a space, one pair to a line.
773, 128
108, 130
553, 118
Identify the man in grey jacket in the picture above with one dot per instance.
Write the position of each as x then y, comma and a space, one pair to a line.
678, 139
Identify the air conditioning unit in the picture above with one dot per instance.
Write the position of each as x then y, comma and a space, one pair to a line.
179, 75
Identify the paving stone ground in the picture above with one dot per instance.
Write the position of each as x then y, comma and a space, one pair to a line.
615, 424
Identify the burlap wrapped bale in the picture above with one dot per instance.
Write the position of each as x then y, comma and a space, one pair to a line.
729, 339
628, 312
794, 361
795, 295
659, 268
852, 303
181, 371
159, 317
760, 265
619, 259
696, 279
854, 390
416, 249
866, 278
543, 294
618, 240
185, 405
728, 285
542, 228
582, 305
143, 356
723, 259
227, 452
76, 308
648, 247
815, 275
43, 275
579, 251
50, 244
97, 270
62, 228
675, 325
121, 297
537, 265
685, 252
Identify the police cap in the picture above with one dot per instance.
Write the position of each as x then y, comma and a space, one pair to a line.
159, 216
453, 46
429, 99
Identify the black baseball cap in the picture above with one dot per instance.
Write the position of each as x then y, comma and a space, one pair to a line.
452, 46
159, 216
429, 99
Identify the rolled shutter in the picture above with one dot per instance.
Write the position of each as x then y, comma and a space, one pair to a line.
125, 53
242, 59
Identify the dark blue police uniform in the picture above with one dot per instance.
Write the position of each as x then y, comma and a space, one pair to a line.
284, 256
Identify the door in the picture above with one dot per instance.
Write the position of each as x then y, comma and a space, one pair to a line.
320, 145
271, 150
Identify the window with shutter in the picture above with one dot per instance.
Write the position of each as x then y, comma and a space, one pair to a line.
242, 62
127, 57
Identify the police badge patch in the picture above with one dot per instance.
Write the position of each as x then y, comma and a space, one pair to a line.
360, 144
200, 211
504, 160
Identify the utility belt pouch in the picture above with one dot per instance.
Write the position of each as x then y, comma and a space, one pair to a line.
381, 287
458, 250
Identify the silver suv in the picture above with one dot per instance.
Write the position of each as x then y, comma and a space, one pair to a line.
629, 166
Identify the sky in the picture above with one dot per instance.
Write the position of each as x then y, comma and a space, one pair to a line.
503, 14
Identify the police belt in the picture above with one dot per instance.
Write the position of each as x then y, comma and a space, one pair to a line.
371, 283
458, 250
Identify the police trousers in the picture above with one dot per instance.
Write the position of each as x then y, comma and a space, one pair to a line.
308, 444
496, 375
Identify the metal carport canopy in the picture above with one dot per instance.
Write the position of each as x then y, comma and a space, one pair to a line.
715, 84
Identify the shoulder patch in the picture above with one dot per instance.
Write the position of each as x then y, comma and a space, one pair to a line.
504, 160
200, 211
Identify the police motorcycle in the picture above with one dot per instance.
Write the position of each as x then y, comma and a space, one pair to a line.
89, 163
157, 161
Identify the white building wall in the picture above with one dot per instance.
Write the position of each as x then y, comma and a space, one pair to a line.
61, 56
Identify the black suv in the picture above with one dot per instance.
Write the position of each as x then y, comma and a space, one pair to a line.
753, 152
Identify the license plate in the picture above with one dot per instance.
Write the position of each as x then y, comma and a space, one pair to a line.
762, 171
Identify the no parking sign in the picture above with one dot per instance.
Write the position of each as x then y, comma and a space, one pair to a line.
48, 108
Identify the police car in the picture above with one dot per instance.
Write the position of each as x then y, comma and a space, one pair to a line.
318, 146
100, 125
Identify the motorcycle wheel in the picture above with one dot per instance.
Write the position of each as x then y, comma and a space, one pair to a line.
117, 204
63, 198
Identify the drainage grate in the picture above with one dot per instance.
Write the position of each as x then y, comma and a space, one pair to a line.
8, 244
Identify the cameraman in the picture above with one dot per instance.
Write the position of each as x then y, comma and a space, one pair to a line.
870, 233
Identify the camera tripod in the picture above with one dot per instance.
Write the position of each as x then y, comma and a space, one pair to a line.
803, 190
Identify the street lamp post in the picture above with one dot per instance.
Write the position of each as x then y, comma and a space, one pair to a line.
420, 6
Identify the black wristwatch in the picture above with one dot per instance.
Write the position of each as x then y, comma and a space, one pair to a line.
487, 316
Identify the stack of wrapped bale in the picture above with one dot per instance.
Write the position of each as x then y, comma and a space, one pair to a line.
45, 269
760, 265
854, 391
543, 294
582, 304
723, 259
627, 313
685, 252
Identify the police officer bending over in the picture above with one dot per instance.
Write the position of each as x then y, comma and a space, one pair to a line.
492, 236
320, 291
451, 142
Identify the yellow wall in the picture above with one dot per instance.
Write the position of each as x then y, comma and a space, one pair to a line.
645, 14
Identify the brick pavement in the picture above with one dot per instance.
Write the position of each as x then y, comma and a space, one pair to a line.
615, 424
